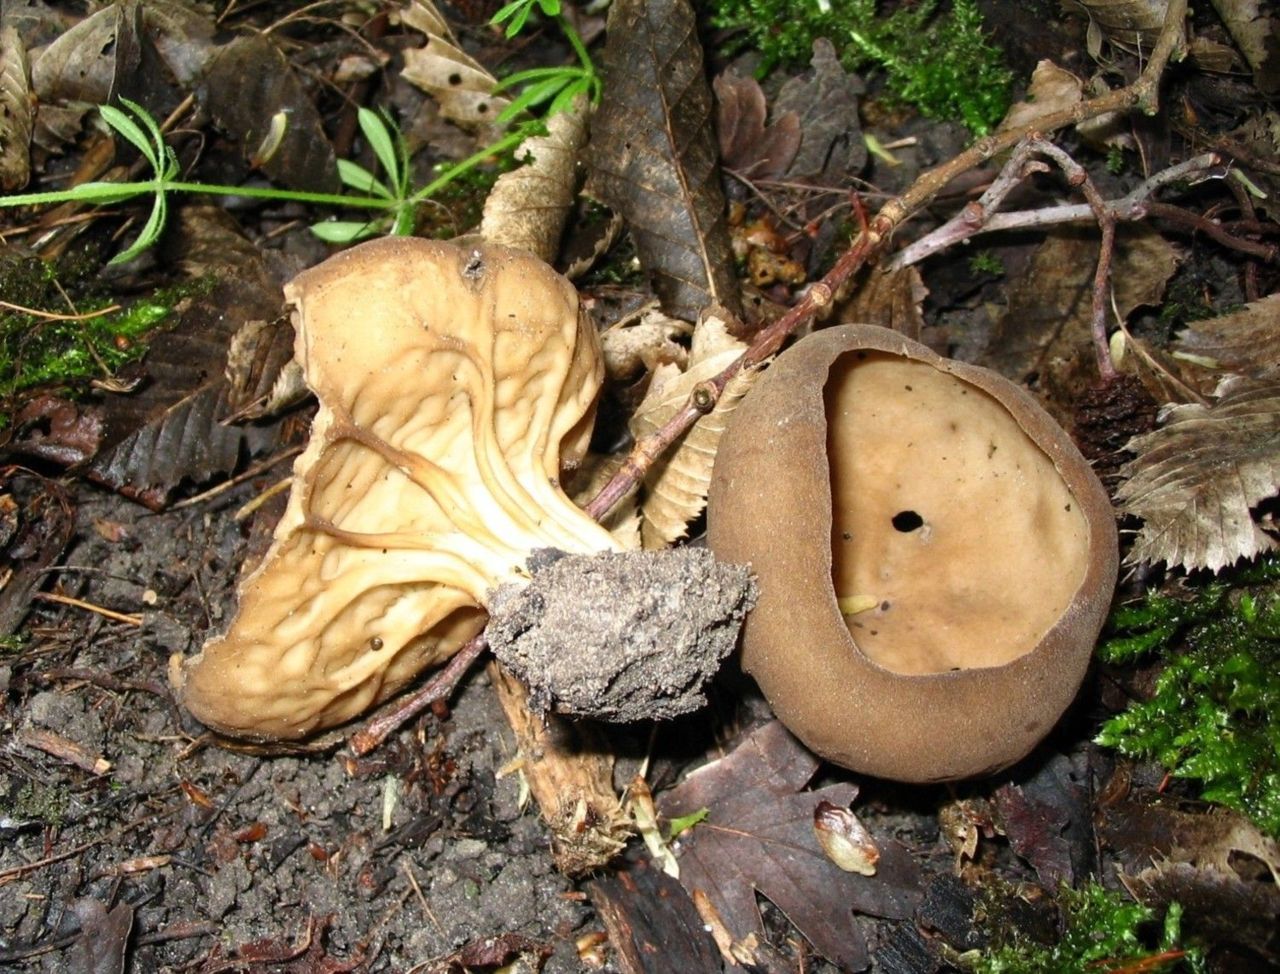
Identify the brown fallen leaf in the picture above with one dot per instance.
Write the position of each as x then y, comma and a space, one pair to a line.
676, 485
1045, 329
249, 87
893, 299
528, 207
1246, 341
758, 836
747, 144
826, 102
653, 156
104, 937
643, 344
173, 428
458, 82
1218, 865
1256, 31
1195, 481
36, 522
1131, 25
15, 112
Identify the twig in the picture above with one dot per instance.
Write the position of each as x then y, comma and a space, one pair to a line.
979, 217
88, 606
1076, 176
53, 316
1142, 94
238, 479
1269, 253
438, 687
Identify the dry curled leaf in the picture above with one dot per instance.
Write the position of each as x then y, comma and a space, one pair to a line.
644, 345
1129, 24
1196, 480
1246, 341
746, 143
653, 155
676, 486
527, 207
15, 112
457, 81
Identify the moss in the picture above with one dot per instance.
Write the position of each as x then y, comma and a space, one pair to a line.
39, 351
37, 802
941, 62
1208, 718
1100, 931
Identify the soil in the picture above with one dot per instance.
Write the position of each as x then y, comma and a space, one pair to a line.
408, 854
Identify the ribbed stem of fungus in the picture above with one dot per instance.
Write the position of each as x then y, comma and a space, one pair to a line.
450, 384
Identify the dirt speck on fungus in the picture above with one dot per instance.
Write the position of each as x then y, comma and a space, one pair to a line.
621, 636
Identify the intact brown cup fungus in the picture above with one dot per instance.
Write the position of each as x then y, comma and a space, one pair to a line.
935, 558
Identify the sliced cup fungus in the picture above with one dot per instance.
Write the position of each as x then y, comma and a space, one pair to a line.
935, 558
451, 383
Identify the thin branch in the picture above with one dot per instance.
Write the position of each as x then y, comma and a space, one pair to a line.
438, 687
979, 217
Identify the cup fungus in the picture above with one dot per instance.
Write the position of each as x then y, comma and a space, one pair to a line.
451, 384
935, 558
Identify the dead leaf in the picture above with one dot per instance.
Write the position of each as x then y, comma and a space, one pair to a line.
80, 65
1195, 480
1246, 341
1218, 865
1044, 331
831, 143
893, 300
1256, 32
172, 429
37, 520
528, 207
461, 86
1052, 89
1139, 831
676, 485
643, 345
1048, 820
759, 837
653, 155
104, 937
1221, 907
1131, 25
264, 377
130, 49
747, 145
15, 112
249, 86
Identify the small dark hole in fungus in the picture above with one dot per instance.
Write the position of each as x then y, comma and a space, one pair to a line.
375, 643
455, 79
906, 521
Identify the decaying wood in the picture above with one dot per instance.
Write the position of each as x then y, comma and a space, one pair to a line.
570, 777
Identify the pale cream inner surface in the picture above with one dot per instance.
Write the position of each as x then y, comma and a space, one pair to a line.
946, 517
